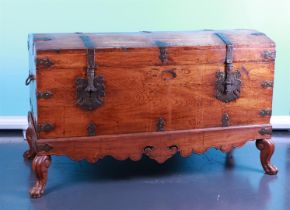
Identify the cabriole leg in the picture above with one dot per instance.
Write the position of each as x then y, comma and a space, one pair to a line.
267, 148
40, 167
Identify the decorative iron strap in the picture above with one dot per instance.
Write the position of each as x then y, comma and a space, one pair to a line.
90, 90
87, 42
228, 82
229, 48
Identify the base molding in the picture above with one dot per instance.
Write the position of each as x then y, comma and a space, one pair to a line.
21, 123
159, 146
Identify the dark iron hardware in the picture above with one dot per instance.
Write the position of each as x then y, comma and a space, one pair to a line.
29, 79
44, 62
92, 129
163, 54
257, 34
42, 39
90, 90
228, 83
265, 112
45, 127
269, 55
160, 125
225, 120
265, 131
45, 95
267, 84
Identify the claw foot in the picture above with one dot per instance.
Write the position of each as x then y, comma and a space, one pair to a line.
36, 191
40, 167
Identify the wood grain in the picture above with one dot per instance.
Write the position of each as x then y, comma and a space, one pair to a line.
198, 39
137, 97
142, 86
132, 146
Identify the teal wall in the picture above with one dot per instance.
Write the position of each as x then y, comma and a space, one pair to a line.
18, 18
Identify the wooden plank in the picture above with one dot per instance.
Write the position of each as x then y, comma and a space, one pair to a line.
242, 38
135, 99
140, 57
163, 144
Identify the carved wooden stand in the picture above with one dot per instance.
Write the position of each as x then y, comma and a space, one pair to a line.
159, 146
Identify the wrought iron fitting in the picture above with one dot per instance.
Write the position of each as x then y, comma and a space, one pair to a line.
90, 91
92, 129
225, 120
265, 112
160, 125
45, 94
228, 83
163, 54
267, 84
29, 79
269, 55
266, 131
45, 127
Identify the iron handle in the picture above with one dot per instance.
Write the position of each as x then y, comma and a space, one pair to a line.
29, 79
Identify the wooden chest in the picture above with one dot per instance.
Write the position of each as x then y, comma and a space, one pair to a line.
148, 93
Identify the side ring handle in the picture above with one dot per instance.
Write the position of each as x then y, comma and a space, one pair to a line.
29, 79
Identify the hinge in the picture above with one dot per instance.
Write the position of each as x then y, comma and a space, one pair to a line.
90, 90
265, 112
163, 54
228, 83
162, 50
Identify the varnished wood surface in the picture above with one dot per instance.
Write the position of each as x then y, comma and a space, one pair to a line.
136, 98
199, 39
140, 91
136, 91
140, 57
267, 149
40, 167
133, 146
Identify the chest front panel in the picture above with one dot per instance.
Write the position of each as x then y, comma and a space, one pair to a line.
142, 93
